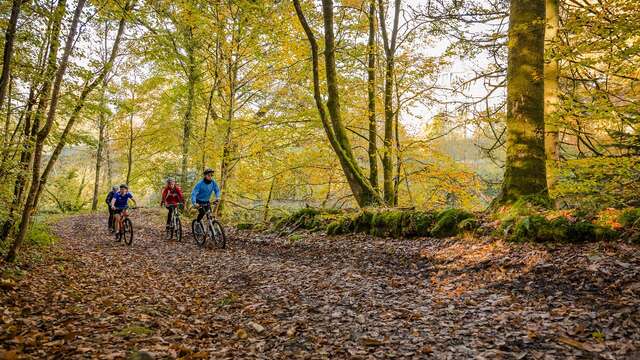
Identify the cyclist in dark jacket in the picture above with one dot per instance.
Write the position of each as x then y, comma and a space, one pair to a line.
113, 191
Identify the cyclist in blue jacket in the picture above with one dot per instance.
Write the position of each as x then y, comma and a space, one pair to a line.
201, 193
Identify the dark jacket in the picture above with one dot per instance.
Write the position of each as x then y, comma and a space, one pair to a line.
109, 197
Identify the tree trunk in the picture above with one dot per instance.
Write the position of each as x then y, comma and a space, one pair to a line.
226, 149
372, 51
9, 37
108, 156
396, 177
206, 128
80, 104
525, 171
7, 123
267, 205
130, 150
188, 116
101, 128
41, 135
361, 188
551, 75
389, 76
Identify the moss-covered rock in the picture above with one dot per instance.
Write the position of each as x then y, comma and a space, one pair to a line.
447, 221
308, 219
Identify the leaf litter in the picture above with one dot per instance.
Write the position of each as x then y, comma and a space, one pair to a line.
319, 297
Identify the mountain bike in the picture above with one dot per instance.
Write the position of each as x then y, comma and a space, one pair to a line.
175, 225
211, 229
126, 228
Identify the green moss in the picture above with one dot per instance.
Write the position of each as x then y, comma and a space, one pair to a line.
245, 226
630, 218
447, 222
581, 231
363, 221
308, 219
134, 330
468, 225
605, 234
39, 234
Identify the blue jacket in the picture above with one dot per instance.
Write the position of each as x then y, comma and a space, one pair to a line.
201, 193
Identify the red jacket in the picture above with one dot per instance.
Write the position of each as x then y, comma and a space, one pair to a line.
172, 196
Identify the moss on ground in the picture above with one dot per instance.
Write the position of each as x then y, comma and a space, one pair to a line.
537, 228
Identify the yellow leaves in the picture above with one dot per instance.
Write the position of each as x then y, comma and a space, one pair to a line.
356, 4
241, 333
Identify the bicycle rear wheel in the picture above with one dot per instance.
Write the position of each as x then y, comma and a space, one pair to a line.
217, 232
128, 231
198, 233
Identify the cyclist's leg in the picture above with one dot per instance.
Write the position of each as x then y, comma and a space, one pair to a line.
201, 212
169, 214
110, 217
116, 220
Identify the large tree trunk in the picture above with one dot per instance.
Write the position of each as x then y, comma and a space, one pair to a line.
372, 52
9, 36
330, 116
389, 76
551, 75
525, 171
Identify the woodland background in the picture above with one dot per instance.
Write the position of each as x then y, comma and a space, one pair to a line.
107, 92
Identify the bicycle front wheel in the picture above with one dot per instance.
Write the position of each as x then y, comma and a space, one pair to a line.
198, 233
128, 231
217, 232
168, 232
178, 229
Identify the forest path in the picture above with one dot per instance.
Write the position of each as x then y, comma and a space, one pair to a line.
314, 296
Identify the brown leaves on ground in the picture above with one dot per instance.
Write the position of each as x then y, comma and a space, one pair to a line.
317, 296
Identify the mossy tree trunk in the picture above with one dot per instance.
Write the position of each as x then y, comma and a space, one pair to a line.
389, 76
329, 112
372, 52
525, 169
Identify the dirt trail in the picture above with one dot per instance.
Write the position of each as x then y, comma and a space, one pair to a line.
320, 297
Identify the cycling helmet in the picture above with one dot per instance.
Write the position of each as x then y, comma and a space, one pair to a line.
208, 171
114, 188
170, 180
124, 186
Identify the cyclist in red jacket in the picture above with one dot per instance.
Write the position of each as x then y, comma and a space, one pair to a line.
171, 197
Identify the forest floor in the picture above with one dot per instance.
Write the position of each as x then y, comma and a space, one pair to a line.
313, 296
